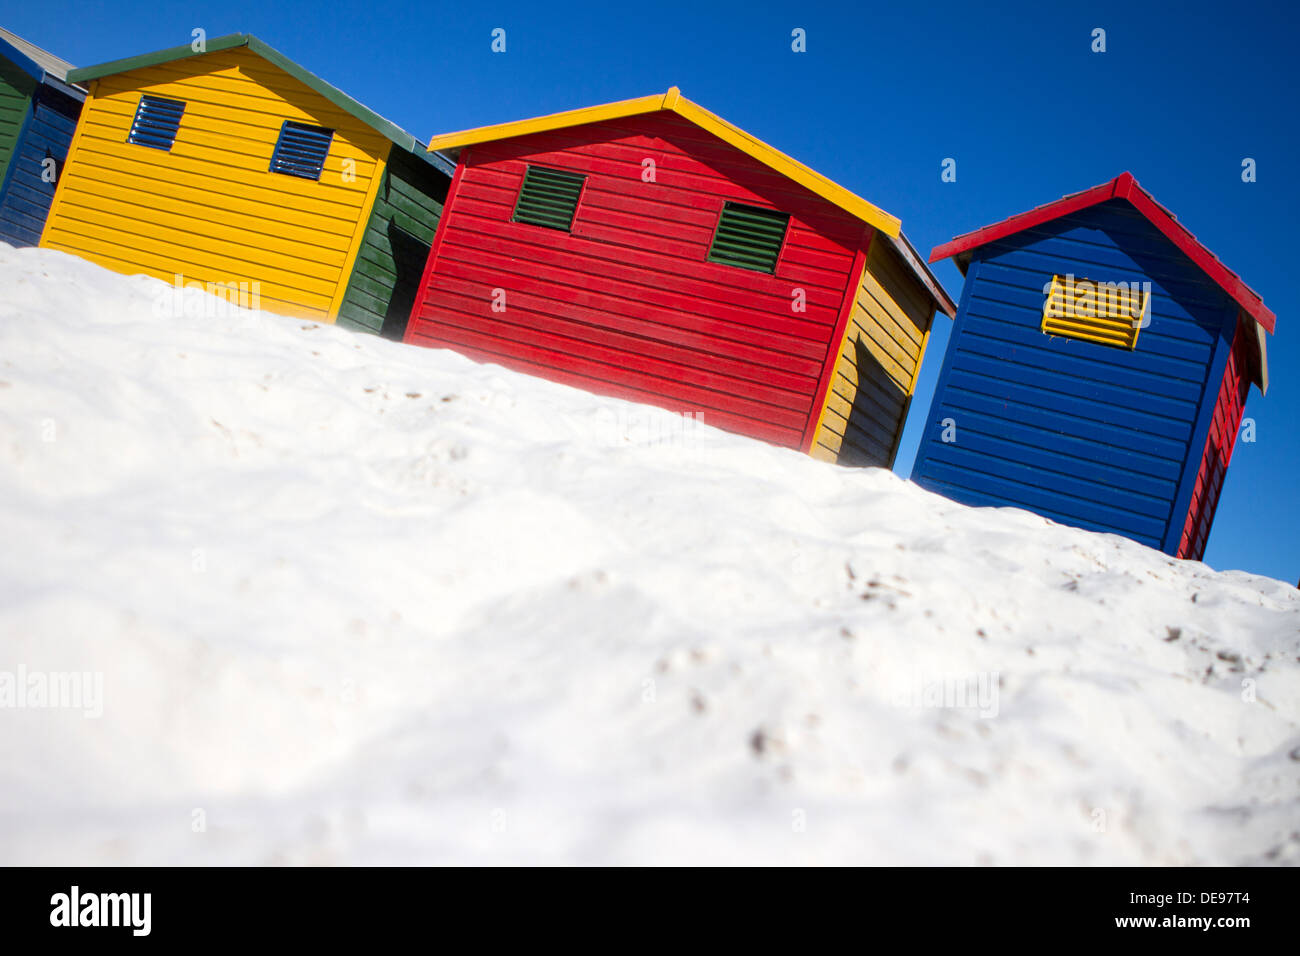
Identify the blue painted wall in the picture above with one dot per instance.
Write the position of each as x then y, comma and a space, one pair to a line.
24, 195
1089, 435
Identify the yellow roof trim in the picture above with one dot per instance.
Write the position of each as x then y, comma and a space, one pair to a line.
674, 101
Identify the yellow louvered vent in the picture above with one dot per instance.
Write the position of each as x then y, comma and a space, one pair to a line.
1109, 313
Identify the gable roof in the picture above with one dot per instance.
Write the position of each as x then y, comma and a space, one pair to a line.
1123, 186
383, 127
673, 101
39, 64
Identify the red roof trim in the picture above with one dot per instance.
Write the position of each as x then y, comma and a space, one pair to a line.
1123, 186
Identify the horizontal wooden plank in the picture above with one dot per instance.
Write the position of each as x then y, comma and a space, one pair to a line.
208, 187
606, 374
779, 333
949, 481
170, 208
772, 295
686, 346
274, 298
155, 230
237, 128
1122, 383
1063, 493
165, 260
1158, 455
1113, 403
676, 347
219, 161
1081, 405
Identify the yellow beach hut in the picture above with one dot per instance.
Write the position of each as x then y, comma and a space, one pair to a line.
235, 168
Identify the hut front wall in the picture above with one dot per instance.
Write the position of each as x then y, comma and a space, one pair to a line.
627, 303
16, 89
29, 184
210, 210
1224, 427
875, 375
1089, 435
390, 264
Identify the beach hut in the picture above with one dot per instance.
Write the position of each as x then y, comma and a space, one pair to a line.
236, 169
1097, 370
649, 250
38, 112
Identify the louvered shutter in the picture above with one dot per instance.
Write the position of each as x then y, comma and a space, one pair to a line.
1108, 313
749, 237
156, 122
548, 197
301, 150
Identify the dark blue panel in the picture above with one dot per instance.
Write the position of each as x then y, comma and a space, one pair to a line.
26, 193
981, 444
1118, 402
958, 492
1072, 421
1087, 434
1174, 358
301, 150
1048, 497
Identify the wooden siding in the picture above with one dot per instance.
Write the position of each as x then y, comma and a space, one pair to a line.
386, 278
16, 89
627, 303
25, 196
210, 209
1226, 423
1086, 434
876, 372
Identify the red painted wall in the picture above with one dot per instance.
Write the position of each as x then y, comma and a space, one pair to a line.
627, 304
1228, 409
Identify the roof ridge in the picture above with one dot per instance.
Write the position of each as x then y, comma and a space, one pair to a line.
41, 58
674, 101
1126, 187
384, 127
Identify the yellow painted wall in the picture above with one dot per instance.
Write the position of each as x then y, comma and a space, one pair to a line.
210, 209
876, 373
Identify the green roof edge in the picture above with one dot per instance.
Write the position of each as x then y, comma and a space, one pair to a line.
389, 130
153, 59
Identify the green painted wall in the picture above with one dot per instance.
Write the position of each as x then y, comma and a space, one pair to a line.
16, 89
393, 253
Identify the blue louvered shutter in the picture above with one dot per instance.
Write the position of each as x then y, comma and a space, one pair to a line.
156, 122
301, 150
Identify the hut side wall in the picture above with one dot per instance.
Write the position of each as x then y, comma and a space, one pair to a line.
876, 372
1086, 434
386, 278
210, 209
16, 89
1228, 410
627, 303
25, 191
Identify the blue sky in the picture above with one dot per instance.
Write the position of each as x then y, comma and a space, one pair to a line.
883, 94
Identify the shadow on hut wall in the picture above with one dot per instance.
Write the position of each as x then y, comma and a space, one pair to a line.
409, 256
878, 405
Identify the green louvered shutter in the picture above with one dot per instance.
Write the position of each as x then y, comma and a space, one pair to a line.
749, 237
548, 197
